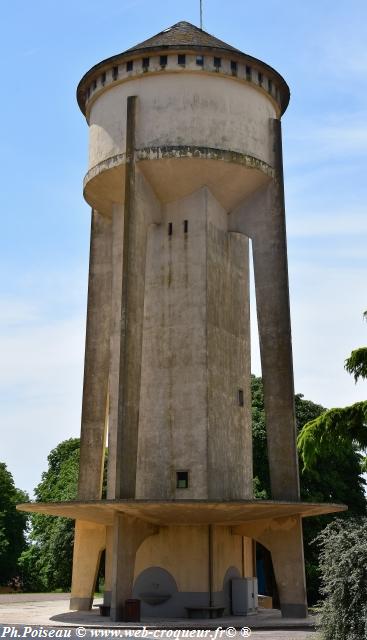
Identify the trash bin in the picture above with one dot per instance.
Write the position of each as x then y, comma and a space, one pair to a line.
132, 610
104, 609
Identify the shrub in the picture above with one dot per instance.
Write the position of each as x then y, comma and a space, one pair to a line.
343, 567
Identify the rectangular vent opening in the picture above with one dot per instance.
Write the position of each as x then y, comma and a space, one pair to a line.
170, 228
186, 226
240, 397
182, 480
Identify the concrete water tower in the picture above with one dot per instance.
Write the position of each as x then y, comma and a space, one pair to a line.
185, 166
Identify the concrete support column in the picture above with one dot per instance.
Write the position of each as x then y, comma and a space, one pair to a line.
117, 247
285, 542
90, 540
131, 322
97, 356
272, 299
128, 535
262, 218
87, 537
283, 538
248, 560
108, 567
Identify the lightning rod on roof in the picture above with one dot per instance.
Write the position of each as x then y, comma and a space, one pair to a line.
201, 14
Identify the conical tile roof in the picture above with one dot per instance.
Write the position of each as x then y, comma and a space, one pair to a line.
182, 34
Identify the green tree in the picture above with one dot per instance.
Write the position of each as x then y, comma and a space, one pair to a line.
12, 526
343, 566
338, 427
46, 564
336, 476
259, 442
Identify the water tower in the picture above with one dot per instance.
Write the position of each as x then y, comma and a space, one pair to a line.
185, 169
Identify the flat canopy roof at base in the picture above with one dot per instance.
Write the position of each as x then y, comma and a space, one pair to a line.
181, 512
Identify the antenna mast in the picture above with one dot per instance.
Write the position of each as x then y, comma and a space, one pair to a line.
201, 14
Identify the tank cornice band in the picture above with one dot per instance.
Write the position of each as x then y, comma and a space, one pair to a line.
178, 152
251, 71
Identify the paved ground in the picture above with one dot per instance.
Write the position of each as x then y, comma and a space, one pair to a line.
22, 614
6, 598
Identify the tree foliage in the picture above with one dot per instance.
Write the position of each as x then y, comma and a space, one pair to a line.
333, 429
337, 427
356, 364
12, 526
46, 564
343, 566
336, 476
329, 479
259, 443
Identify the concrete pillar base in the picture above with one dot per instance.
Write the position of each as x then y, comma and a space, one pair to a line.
283, 538
294, 610
89, 542
129, 533
80, 604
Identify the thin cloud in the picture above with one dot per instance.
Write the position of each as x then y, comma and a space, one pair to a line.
328, 222
339, 138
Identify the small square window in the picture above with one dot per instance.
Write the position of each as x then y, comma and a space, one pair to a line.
217, 63
182, 480
145, 63
270, 85
94, 85
181, 59
234, 67
103, 77
163, 61
248, 72
129, 65
260, 78
200, 61
240, 397
115, 73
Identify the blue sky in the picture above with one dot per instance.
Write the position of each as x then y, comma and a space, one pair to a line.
320, 49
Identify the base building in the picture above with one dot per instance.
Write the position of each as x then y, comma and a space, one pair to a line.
185, 170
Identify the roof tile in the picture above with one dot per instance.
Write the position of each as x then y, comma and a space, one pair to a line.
182, 34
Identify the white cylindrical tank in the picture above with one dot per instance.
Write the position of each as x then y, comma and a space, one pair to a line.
199, 99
